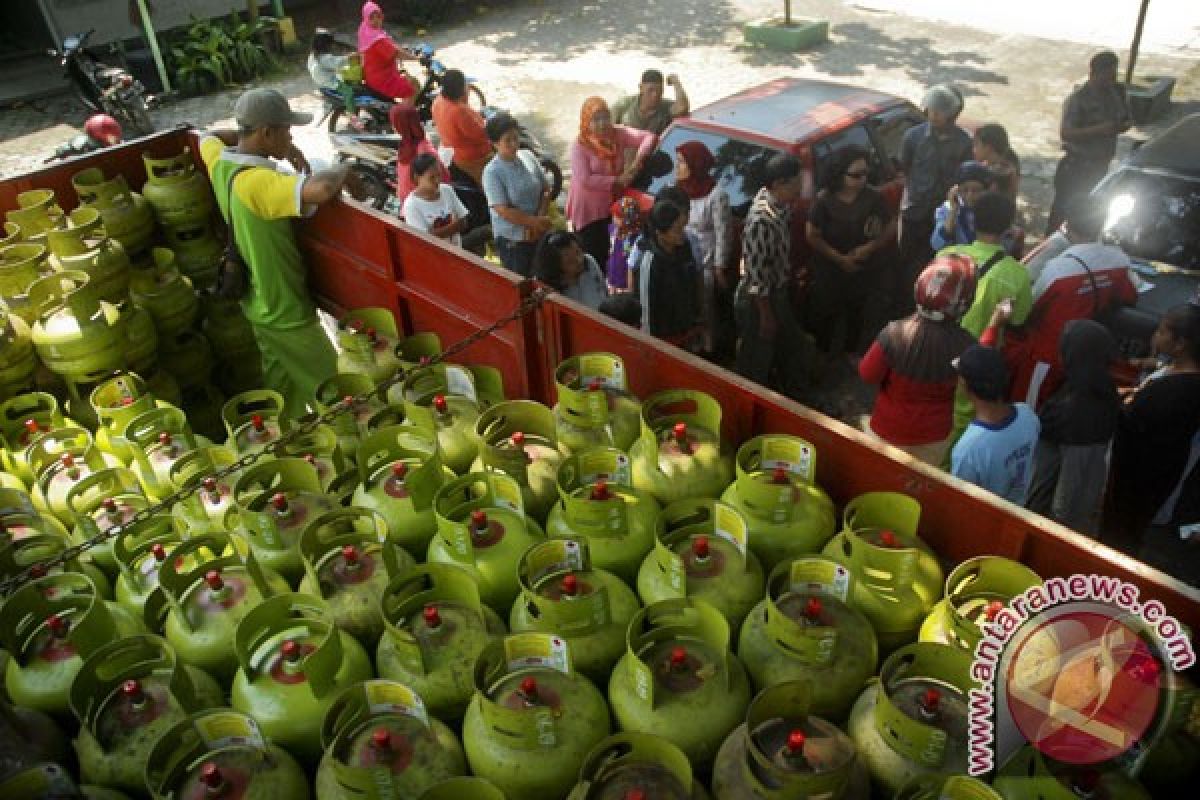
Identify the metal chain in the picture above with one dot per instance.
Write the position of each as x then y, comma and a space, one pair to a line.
277, 448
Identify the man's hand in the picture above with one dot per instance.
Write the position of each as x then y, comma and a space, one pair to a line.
1002, 313
848, 263
861, 253
541, 225
296, 158
952, 197
673, 80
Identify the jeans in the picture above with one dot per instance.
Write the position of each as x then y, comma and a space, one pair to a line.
784, 351
516, 256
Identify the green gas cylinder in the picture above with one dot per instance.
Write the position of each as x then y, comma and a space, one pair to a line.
679, 452
232, 339
84, 245
178, 192
946, 787
140, 548
165, 294
400, 471
49, 626
913, 720
348, 562
28, 540
198, 253
275, 501
976, 590
701, 551
76, 334
60, 461
533, 719
805, 631
482, 527
1029, 775
517, 437
1173, 761
370, 343
776, 491
637, 765
320, 448
126, 695
348, 389
595, 407
204, 510
17, 361
117, 401
205, 588
21, 265
222, 754
782, 751
678, 679
127, 216
22, 420
562, 593
28, 738
447, 400
463, 789
160, 437
36, 213
101, 501
381, 742
897, 577
188, 357
253, 420
598, 503
292, 663
434, 628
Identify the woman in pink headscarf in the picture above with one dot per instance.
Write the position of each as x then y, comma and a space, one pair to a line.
379, 54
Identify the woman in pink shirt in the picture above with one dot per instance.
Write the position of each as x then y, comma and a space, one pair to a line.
598, 173
406, 122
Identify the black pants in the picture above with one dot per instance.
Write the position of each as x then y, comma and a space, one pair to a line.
915, 253
516, 256
1075, 177
593, 238
757, 356
836, 295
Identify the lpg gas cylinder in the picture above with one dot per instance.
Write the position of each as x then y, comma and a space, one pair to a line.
60, 460
400, 471
562, 593
188, 357
946, 787
679, 452
447, 399
517, 437
381, 742
1173, 761
127, 216
464, 789
140, 548
348, 389
370, 344
21, 265
976, 590
198, 253
165, 294
678, 679
17, 361
701, 551
101, 501
221, 753
28, 738
319, 447
897, 577
22, 420
805, 630
1031, 775
178, 193
292, 663
533, 719
233, 341
116, 402
783, 752
482, 528
48, 626
76, 335
84, 245
914, 719
126, 695
202, 403
28, 543
36, 213
160, 437
637, 765
434, 628
599, 504
775, 489
10, 234
205, 589
253, 420
595, 407
348, 561
274, 502
204, 510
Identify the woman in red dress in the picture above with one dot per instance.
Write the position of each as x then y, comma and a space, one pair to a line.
379, 53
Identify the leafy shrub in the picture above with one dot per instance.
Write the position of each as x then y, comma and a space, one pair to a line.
210, 55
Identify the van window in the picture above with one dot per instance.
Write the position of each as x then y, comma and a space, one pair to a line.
824, 150
738, 170
889, 129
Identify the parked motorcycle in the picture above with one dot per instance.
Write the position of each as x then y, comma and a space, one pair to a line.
105, 89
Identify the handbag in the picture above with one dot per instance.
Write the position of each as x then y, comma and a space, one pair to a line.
233, 276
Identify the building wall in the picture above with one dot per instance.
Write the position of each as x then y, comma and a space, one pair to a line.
119, 19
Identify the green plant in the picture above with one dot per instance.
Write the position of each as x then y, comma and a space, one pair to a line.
212, 54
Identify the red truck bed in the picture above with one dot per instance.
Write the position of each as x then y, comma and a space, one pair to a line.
359, 257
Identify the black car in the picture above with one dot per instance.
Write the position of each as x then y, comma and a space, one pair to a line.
1153, 202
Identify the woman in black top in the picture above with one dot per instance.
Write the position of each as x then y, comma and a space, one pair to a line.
668, 277
848, 226
1155, 433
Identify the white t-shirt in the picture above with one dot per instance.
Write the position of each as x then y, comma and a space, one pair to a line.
424, 215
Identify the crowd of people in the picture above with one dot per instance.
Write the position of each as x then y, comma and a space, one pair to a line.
986, 365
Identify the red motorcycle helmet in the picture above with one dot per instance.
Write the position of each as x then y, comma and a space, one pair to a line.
103, 129
946, 288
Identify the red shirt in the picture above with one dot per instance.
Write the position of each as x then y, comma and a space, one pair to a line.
462, 128
907, 411
380, 72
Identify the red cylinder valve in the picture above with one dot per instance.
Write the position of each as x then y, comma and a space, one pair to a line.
439, 403
432, 618
257, 422
701, 547
795, 742
399, 470
570, 585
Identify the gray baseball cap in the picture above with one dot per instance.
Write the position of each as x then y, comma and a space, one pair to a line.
263, 108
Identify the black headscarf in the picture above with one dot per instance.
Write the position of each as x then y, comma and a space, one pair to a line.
1085, 408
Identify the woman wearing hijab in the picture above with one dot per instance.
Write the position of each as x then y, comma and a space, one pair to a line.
1078, 422
710, 221
407, 123
911, 362
599, 175
381, 74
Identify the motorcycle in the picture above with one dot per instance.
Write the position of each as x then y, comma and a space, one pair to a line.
99, 131
105, 89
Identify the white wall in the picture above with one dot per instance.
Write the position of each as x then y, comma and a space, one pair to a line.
119, 19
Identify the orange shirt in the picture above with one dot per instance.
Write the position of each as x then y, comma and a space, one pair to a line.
461, 127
